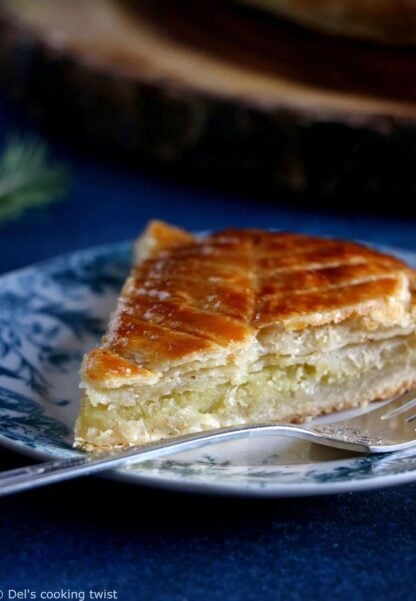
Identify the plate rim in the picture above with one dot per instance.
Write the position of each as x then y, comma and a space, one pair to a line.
200, 487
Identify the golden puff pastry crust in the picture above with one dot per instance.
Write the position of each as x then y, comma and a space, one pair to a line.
208, 328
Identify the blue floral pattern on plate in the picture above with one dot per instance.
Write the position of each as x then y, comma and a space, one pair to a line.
53, 312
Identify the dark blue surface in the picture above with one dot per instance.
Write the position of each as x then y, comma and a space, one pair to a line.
154, 545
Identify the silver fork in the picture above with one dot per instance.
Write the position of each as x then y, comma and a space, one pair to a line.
389, 427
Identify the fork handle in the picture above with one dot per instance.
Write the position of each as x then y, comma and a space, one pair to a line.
84, 464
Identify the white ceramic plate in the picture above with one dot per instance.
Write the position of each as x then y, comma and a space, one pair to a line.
53, 312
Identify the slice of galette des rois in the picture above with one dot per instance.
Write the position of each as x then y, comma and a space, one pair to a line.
241, 326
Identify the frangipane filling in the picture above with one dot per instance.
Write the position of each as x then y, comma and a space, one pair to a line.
258, 385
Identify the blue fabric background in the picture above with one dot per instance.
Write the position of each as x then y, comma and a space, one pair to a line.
155, 545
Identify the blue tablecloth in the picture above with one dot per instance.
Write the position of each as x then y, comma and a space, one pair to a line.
155, 545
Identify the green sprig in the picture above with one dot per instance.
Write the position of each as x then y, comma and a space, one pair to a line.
27, 180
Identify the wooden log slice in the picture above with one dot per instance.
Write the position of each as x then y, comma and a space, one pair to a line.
212, 88
383, 21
